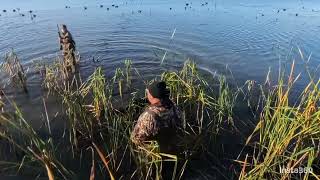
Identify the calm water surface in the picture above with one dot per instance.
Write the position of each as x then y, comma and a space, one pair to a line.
248, 37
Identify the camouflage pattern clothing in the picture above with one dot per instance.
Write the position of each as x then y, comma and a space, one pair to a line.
67, 45
158, 123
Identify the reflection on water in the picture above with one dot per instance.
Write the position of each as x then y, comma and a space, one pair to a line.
248, 36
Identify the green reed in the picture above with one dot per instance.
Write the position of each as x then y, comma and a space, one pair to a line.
32, 147
12, 66
99, 128
288, 133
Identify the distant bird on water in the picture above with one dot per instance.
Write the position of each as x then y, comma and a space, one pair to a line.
101, 6
139, 11
85, 8
284, 9
297, 14
30, 11
116, 6
170, 8
4, 11
107, 9
187, 4
13, 10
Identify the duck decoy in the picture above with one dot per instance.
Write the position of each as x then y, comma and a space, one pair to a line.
101, 6
187, 4
4, 11
297, 14
13, 10
139, 11
30, 11
170, 8
284, 9
22, 15
107, 9
116, 6
112, 5
85, 8
34, 16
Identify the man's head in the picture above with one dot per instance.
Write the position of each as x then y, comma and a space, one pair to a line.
64, 28
157, 91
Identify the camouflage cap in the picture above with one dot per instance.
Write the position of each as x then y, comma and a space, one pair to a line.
159, 89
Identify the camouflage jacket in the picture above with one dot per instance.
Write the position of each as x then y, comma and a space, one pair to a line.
156, 123
67, 41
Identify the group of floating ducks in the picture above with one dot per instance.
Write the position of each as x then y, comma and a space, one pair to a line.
32, 15
101, 6
187, 5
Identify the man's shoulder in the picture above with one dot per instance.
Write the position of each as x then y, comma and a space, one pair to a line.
148, 114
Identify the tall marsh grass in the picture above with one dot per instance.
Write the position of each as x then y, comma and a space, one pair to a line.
12, 67
287, 135
101, 112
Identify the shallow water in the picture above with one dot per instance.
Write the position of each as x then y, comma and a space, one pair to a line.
248, 37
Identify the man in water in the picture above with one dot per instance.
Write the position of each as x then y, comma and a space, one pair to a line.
68, 47
160, 120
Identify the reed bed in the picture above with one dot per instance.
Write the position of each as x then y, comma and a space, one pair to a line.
12, 67
287, 135
98, 127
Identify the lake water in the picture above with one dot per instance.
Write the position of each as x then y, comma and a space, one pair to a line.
248, 37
